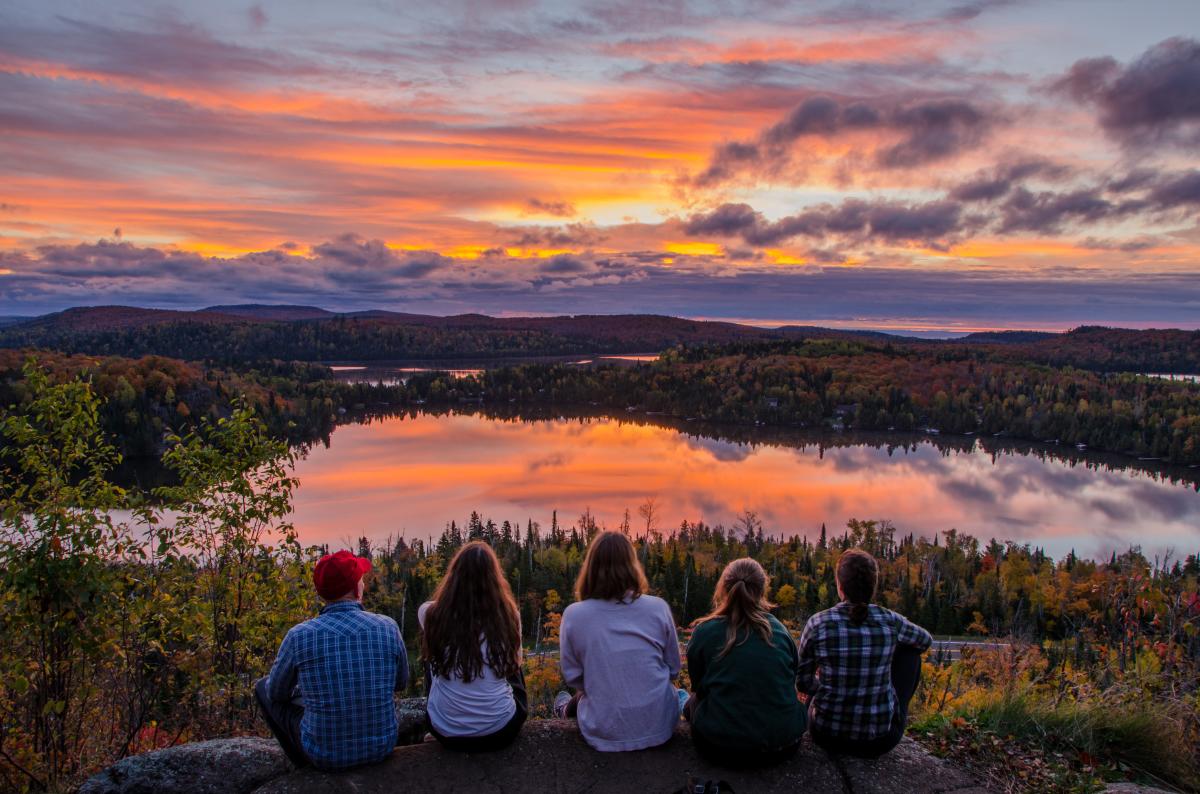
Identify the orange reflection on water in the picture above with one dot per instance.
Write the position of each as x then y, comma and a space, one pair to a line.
412, 476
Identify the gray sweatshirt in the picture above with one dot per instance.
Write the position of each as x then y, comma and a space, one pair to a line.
622, 655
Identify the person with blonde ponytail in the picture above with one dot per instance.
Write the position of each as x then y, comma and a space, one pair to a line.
861, 664
743, 663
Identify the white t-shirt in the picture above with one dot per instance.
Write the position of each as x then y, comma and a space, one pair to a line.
478, 708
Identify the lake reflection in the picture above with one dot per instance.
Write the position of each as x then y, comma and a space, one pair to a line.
413, 475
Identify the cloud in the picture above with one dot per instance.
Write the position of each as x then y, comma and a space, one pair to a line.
351, 273
935, 131
564, 264
1180, 190
171, 50
559, 209
1153, 100
1128, 246
1047, 211
357, 254
571, 235
1006, 206
998, 181
350, 249
853, 219
908, 135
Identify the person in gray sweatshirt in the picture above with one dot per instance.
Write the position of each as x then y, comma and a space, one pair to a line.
619, 651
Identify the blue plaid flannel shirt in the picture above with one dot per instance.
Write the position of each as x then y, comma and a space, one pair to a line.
346, 662
848, 669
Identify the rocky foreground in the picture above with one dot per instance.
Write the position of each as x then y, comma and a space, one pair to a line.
549, 756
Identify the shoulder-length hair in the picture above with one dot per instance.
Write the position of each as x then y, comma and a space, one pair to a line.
741, 598
611, 570
472, 602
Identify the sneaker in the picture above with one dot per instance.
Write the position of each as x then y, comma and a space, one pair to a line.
682, 695
561, 700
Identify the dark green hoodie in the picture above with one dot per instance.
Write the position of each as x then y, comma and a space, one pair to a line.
747, 698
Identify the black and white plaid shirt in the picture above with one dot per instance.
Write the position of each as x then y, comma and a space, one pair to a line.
848, 669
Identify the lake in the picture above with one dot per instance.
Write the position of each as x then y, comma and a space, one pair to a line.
412, 474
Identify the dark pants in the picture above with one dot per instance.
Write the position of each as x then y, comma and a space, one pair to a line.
906, 674
284, 721
492, 741
730, 757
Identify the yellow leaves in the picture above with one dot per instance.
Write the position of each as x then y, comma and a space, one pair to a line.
786, 596
551, 627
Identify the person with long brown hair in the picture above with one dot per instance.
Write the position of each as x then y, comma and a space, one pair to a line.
619, 649
861, 664
743, 663
471, 643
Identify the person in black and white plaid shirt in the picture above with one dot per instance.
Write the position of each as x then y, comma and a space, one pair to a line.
860, 663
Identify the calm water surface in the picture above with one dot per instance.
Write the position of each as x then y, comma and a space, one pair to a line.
412, 475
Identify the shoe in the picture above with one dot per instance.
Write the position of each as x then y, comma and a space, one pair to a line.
561, 701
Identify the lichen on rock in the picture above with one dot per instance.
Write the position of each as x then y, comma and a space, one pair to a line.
218, 766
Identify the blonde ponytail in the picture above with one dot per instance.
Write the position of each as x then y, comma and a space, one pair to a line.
741, 598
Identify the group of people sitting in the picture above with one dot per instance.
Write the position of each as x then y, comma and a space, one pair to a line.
754, 690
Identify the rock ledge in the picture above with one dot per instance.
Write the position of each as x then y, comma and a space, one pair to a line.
551, 756
218, 766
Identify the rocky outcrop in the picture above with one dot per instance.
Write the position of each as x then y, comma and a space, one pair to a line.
551, 756
548, 756
219, 766
410, 713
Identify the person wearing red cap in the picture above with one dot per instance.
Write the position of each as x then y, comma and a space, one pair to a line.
328, 699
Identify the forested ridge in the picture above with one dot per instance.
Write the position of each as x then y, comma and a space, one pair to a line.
251, 334
818, 384
146, 399
865, 386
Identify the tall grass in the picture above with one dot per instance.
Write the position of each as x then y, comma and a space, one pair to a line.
1152, 738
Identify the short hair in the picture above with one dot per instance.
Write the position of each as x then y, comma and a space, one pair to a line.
610, 570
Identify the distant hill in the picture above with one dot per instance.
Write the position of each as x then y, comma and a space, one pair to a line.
817, 332
1008, 337
234, 334
260, 311
85, 319
13, 320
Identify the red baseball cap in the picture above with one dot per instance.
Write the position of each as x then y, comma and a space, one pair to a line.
337, 574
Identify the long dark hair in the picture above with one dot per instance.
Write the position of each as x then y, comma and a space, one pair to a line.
857, 576
472, 601
610, 569
741, 598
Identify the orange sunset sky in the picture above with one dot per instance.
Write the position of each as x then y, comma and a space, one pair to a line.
911, 165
